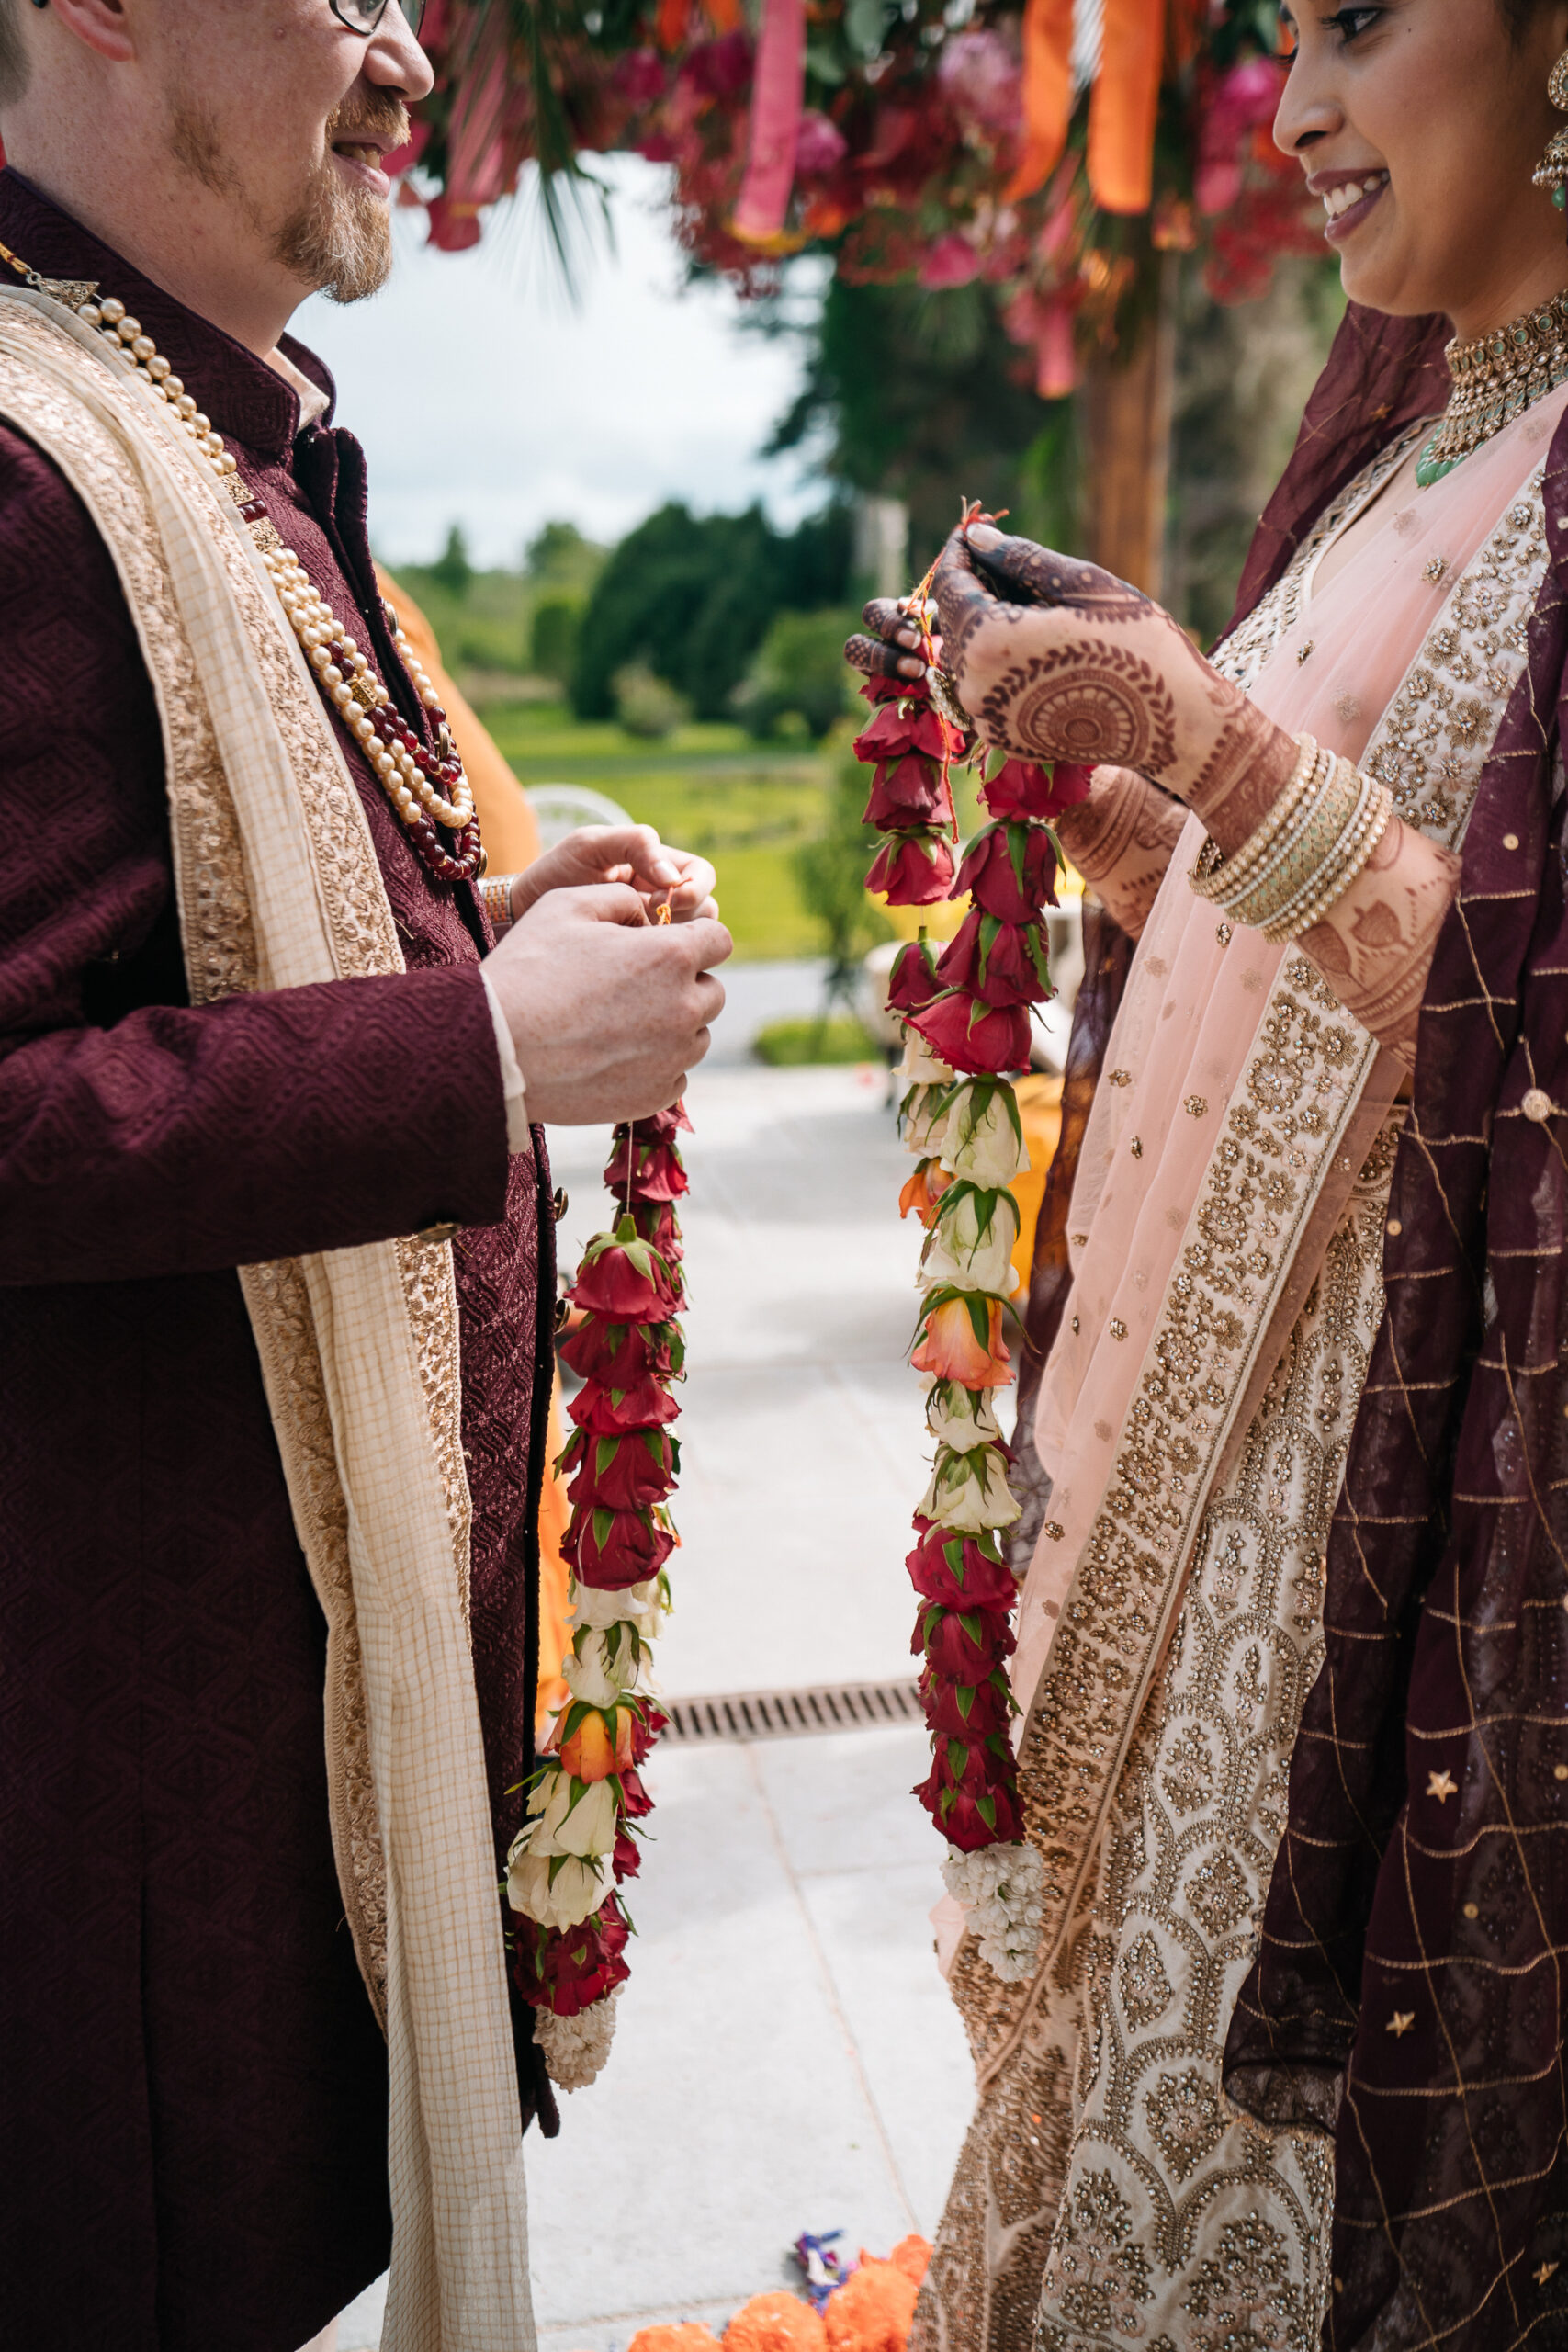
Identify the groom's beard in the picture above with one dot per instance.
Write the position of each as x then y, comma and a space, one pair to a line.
337, 239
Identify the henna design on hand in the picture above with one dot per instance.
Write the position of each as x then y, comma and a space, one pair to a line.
1121, 840
1374, 946
1249, 766
1087, 701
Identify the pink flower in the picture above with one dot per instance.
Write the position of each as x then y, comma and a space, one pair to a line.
1002, 962
1011, 871
639, 75
912, 870
979, 76
819, 144
952, 260
974, 1036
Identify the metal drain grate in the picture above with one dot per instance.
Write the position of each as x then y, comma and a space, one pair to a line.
793, 1714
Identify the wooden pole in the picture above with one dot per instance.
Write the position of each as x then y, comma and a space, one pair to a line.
1127, 404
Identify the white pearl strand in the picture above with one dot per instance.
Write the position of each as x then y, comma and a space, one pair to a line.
346, 677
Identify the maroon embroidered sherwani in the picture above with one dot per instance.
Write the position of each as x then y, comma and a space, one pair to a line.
193, 2084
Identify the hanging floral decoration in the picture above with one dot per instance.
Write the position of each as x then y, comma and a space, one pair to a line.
587, 1802
1002, 144
966, 1023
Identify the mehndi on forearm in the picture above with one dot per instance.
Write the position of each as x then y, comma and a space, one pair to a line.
1121, 840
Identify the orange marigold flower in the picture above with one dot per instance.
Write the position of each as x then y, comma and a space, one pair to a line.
871, 2311
951, 1349
777, 2323
690, 2335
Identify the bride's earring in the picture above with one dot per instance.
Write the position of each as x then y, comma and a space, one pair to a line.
1553, 169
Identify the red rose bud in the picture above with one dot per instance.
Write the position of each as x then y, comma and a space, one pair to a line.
955, 1573
970, 1822
568, 1969
624, 1473
1011, 871
646, 1729
972, 1035
665, 1125
920, 730
974, 1762
1003, 962
909, 792
964, 1644
634, 1799
944, 1701
628, 1857
1021, 788
880, 689
617, 1356
611, 1282
613, 1549
913, 982
657, 1222
642, 1167
612, 1412
912, 870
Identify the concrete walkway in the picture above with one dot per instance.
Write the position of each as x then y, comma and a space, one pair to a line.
786, 2056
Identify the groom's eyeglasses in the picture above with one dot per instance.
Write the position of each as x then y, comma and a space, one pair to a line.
362, 16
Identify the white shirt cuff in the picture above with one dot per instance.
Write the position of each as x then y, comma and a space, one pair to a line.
518, 1138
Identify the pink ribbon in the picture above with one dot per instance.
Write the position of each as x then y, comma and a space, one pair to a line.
778, 90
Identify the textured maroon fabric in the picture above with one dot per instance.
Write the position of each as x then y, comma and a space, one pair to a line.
194, 2087
1409, 1985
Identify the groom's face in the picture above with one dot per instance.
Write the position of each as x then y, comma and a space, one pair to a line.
282, 115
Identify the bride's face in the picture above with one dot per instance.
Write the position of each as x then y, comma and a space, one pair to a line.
1419, 123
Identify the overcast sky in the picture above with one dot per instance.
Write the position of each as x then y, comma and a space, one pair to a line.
484, 398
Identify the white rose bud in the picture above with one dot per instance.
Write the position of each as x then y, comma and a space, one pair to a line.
962, 1417
971, 1245
577, 1893
573, 1818
639, 1605
592, 1674
920, 1066
925, 1124
969, 1492
981, 1141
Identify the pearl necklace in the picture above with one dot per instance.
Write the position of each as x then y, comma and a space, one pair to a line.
1495, 378
426, 788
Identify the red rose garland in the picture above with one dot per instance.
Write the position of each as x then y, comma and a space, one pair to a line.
966, 1016
565, 1868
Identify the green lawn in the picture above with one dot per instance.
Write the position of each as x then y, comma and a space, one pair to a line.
708, 788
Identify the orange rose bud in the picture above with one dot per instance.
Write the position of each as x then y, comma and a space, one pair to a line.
950, 1350
924, 1189
590, 1754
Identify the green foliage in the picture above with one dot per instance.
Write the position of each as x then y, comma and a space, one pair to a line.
830, 869
452, 567
832, 1037
559, 557
552, 641
799, 670
644, 704
694, 597
924, 398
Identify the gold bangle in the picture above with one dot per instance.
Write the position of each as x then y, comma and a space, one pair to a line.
1319, 823
1369, 821
1214, 876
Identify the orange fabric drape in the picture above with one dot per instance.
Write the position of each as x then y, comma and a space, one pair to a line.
673, 18
513, 840
1123, 105
1047, 93
725, 16
506, 821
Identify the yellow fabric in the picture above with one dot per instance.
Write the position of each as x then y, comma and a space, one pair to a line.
555, 1576
506, 821
1040, 1108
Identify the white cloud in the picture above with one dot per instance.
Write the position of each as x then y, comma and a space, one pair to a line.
483, 397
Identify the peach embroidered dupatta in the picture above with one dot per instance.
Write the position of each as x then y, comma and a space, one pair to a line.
1202, 1018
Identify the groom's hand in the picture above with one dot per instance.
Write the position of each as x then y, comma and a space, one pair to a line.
608, 1011
629, 854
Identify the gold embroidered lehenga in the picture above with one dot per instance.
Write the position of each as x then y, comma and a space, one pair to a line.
1107, 2195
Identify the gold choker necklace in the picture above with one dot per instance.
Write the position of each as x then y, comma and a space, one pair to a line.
1495, 380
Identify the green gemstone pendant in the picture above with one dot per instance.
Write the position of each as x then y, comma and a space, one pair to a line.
1429, 470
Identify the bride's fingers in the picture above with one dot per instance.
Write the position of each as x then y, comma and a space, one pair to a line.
963, 599
881, 660
1037, 575
887, 619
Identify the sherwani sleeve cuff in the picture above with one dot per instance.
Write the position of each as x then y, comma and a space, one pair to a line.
519, 1136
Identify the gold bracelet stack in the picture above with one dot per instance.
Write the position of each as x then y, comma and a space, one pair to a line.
1305, 854
495, 896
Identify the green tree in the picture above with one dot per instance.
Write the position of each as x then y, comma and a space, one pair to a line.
799, 668
831, 872
552, 640
452, 567
693, 597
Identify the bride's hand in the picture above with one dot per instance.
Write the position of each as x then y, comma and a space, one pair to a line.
1055, 660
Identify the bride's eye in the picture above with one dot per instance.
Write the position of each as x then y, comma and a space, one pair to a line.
1348, 22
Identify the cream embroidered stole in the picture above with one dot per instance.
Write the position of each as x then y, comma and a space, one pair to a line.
279, 887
